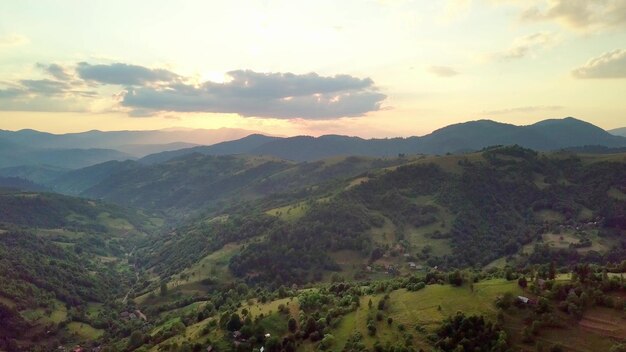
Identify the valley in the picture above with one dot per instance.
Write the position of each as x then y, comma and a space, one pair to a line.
349, 253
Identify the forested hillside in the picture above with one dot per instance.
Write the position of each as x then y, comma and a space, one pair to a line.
253, 234
61, 257
449, 212
198, 183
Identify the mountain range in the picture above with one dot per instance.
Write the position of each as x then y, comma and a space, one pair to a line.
619, 131
76, 150
42, 157
131, 142
546, 135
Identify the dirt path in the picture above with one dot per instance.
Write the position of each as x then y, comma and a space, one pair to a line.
604, 327
130, 290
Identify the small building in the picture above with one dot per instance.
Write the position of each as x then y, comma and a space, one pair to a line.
412, 265
209, 349
526, 300
140, 315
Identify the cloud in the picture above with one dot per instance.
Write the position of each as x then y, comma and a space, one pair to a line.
124, 74
608, 65
11, 40
443, 71
580, 14
254, 94
57, 71
145, 92
10, 93
523, 109
524, 46
44, 95
45, 86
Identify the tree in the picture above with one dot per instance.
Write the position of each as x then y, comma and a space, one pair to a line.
272, 344
136, 339
522, 282
163, 290
557, 348
292, 325
618, 348
371, 328
327, 341
505, 301
552, 271
381, 304
234, 323
311, 326
455, 278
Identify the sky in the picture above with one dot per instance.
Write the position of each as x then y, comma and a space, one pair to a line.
371, 68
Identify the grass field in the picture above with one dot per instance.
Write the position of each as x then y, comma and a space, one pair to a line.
418, 239
84, 331
385, 234
350, 262
214, 265
448, 163
268, 308
93, 309
563, 240
39, 315
616, 193
189, 281
7, 302
357, 181
290, 212
121, 226
575, 336
548, 215
427, 307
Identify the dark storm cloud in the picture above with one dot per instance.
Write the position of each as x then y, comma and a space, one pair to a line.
277, 95
124, 74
